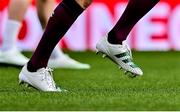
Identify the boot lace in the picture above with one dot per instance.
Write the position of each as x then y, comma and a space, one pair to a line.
48, 77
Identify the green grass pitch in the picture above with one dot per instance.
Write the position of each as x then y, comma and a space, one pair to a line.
103, 87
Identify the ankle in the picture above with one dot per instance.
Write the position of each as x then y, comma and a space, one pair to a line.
113, 39
30, 67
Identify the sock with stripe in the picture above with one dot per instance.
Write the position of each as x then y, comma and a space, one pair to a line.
63, 17
134, 11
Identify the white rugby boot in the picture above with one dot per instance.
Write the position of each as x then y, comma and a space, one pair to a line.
120, 54
64, 61
41, 80
13, 57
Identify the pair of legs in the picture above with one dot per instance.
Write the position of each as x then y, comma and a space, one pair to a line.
112, 45
11, 55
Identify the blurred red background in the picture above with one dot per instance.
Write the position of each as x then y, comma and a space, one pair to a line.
159, 30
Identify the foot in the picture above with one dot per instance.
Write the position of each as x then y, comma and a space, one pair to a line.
64, 61
120, 54
41, 80
13, 57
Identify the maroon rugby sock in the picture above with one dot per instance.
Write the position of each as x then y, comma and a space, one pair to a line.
63, 17
134, 11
